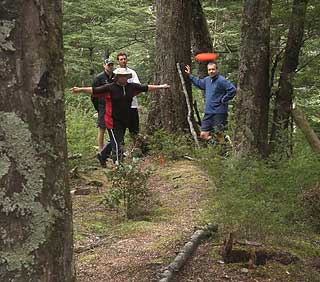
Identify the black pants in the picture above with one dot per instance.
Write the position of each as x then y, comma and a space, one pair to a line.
133, 125
116, 136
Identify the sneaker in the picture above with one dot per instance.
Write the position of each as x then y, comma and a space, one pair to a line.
101, 160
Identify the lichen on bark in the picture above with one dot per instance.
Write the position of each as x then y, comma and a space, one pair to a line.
19, 155
5, 29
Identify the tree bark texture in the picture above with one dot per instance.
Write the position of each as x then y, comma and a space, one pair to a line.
35, 205
169, 110
280, 132
201, 41
252, 103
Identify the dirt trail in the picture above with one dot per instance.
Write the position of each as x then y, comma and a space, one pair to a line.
139, 251
182, 191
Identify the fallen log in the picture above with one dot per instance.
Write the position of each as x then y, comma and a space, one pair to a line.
187, 251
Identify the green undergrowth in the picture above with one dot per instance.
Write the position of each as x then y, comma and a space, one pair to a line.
268, 201
169, 145
275, 202
81, 129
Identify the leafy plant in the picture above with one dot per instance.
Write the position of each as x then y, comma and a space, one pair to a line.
129, 192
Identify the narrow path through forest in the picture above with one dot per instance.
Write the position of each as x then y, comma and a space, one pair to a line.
111, 249
140, 250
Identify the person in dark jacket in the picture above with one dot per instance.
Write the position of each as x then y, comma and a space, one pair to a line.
218, 91
119, 95
102, 78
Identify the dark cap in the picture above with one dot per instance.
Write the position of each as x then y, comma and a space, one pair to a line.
108, 61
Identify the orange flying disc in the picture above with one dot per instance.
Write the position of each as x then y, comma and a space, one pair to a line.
206, 57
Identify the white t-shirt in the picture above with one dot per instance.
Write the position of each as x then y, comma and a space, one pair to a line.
134, 79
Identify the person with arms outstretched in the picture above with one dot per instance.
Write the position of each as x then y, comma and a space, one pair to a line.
119, 95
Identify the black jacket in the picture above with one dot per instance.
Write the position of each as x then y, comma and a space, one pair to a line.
101, 79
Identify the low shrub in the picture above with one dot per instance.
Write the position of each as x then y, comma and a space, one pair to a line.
129, 193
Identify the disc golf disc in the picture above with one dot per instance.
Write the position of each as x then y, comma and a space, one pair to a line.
206, 57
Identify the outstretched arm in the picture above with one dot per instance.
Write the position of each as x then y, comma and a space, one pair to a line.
86, 90
156, 87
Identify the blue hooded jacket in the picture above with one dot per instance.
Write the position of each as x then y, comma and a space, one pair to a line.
218, 91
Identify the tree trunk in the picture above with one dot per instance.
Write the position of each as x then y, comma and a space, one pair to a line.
35, 205
169, 110
252, 103
201, 40
280, 133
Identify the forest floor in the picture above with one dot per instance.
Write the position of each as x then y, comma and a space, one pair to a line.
111, 249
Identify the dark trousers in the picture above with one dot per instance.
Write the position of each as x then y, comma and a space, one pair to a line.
116, 136
106, 151
133, 125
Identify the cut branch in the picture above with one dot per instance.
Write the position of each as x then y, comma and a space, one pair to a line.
189, 106
187, 251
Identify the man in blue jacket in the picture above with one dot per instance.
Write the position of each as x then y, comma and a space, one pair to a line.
218, 91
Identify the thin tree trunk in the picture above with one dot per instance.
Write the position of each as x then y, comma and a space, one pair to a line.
35, 205
252, 103
280, 133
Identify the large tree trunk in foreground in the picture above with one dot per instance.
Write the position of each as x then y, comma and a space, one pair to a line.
306, 129
201, 39
281, 129
35, 205
252, 103
169, 110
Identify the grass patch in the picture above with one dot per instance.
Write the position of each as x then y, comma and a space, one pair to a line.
131, 228
303, 248
166, 242
87, 258
161, 214
81, 134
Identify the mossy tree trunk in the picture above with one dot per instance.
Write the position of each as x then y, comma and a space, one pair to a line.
201, 41
169, 110
281, 129
35, 205
252, 102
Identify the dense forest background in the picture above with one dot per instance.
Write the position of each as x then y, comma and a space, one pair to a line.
104, 28
264, 186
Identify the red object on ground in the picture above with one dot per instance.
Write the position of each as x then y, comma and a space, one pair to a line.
206, 57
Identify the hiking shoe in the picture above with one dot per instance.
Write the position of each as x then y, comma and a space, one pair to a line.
101, 160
